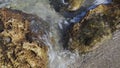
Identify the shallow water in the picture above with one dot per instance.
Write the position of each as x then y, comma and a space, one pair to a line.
58, 57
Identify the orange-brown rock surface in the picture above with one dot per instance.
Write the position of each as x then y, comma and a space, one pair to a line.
20, 43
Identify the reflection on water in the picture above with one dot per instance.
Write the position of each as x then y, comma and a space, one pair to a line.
58, 57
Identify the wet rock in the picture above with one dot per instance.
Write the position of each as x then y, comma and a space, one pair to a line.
74, 5
116, 1
67, 5
21, 45
1, 26
113, 17
68, 8
96, 28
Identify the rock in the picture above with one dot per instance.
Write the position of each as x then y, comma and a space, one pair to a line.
68, 8
74, 5
21, 45
116, 1
113, 17
96, 28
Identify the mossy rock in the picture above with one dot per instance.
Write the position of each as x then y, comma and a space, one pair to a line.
96, 28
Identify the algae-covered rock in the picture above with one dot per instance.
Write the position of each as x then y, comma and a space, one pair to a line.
95, 28
21, 45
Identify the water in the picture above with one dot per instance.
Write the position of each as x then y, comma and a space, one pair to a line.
58, 57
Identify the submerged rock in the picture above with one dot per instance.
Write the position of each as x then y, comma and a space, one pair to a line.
96, 27
21, 45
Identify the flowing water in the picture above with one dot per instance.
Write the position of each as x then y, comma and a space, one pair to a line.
58, 57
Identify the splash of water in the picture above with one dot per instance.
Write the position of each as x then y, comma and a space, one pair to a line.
60, 58
5, 3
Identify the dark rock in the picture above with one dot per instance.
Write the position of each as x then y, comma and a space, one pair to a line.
97, 27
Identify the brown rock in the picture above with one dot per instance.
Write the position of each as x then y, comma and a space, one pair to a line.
95, 28
20, 43
74, 4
